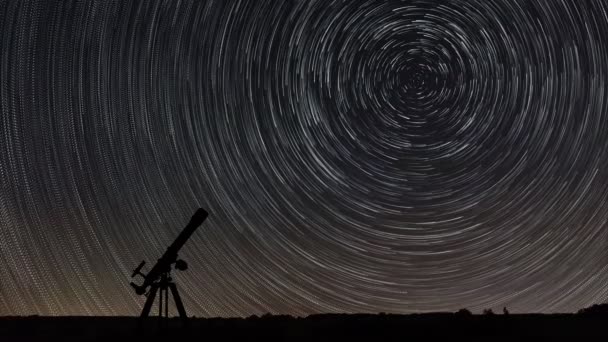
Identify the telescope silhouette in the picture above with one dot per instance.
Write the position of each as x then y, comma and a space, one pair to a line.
159, 277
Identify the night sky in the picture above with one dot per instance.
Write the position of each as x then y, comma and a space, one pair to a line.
354, 156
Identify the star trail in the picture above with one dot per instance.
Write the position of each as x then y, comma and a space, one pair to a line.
354, 156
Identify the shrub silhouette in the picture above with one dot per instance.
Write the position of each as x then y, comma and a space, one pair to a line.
464, 312
597, 309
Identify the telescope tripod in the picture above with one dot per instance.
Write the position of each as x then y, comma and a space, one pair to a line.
163, 286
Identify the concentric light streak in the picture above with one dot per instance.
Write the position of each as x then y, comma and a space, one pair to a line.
355, 156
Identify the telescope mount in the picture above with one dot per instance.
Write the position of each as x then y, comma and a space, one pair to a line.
162, 287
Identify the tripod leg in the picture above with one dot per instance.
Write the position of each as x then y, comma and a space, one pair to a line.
166, 302
146, 311
178, 301
160, 303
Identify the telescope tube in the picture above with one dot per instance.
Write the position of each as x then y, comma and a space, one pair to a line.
197, 219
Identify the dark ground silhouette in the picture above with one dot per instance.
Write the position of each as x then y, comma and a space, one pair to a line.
336, 327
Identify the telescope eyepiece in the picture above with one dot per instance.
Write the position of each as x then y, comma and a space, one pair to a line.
137, 270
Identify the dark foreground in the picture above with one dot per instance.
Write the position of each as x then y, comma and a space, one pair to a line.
313, 328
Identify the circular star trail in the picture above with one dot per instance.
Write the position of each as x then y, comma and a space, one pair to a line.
355, 156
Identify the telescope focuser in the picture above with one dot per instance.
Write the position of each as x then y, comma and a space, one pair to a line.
140, 290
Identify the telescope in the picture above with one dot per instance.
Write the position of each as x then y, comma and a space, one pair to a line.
159, 277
